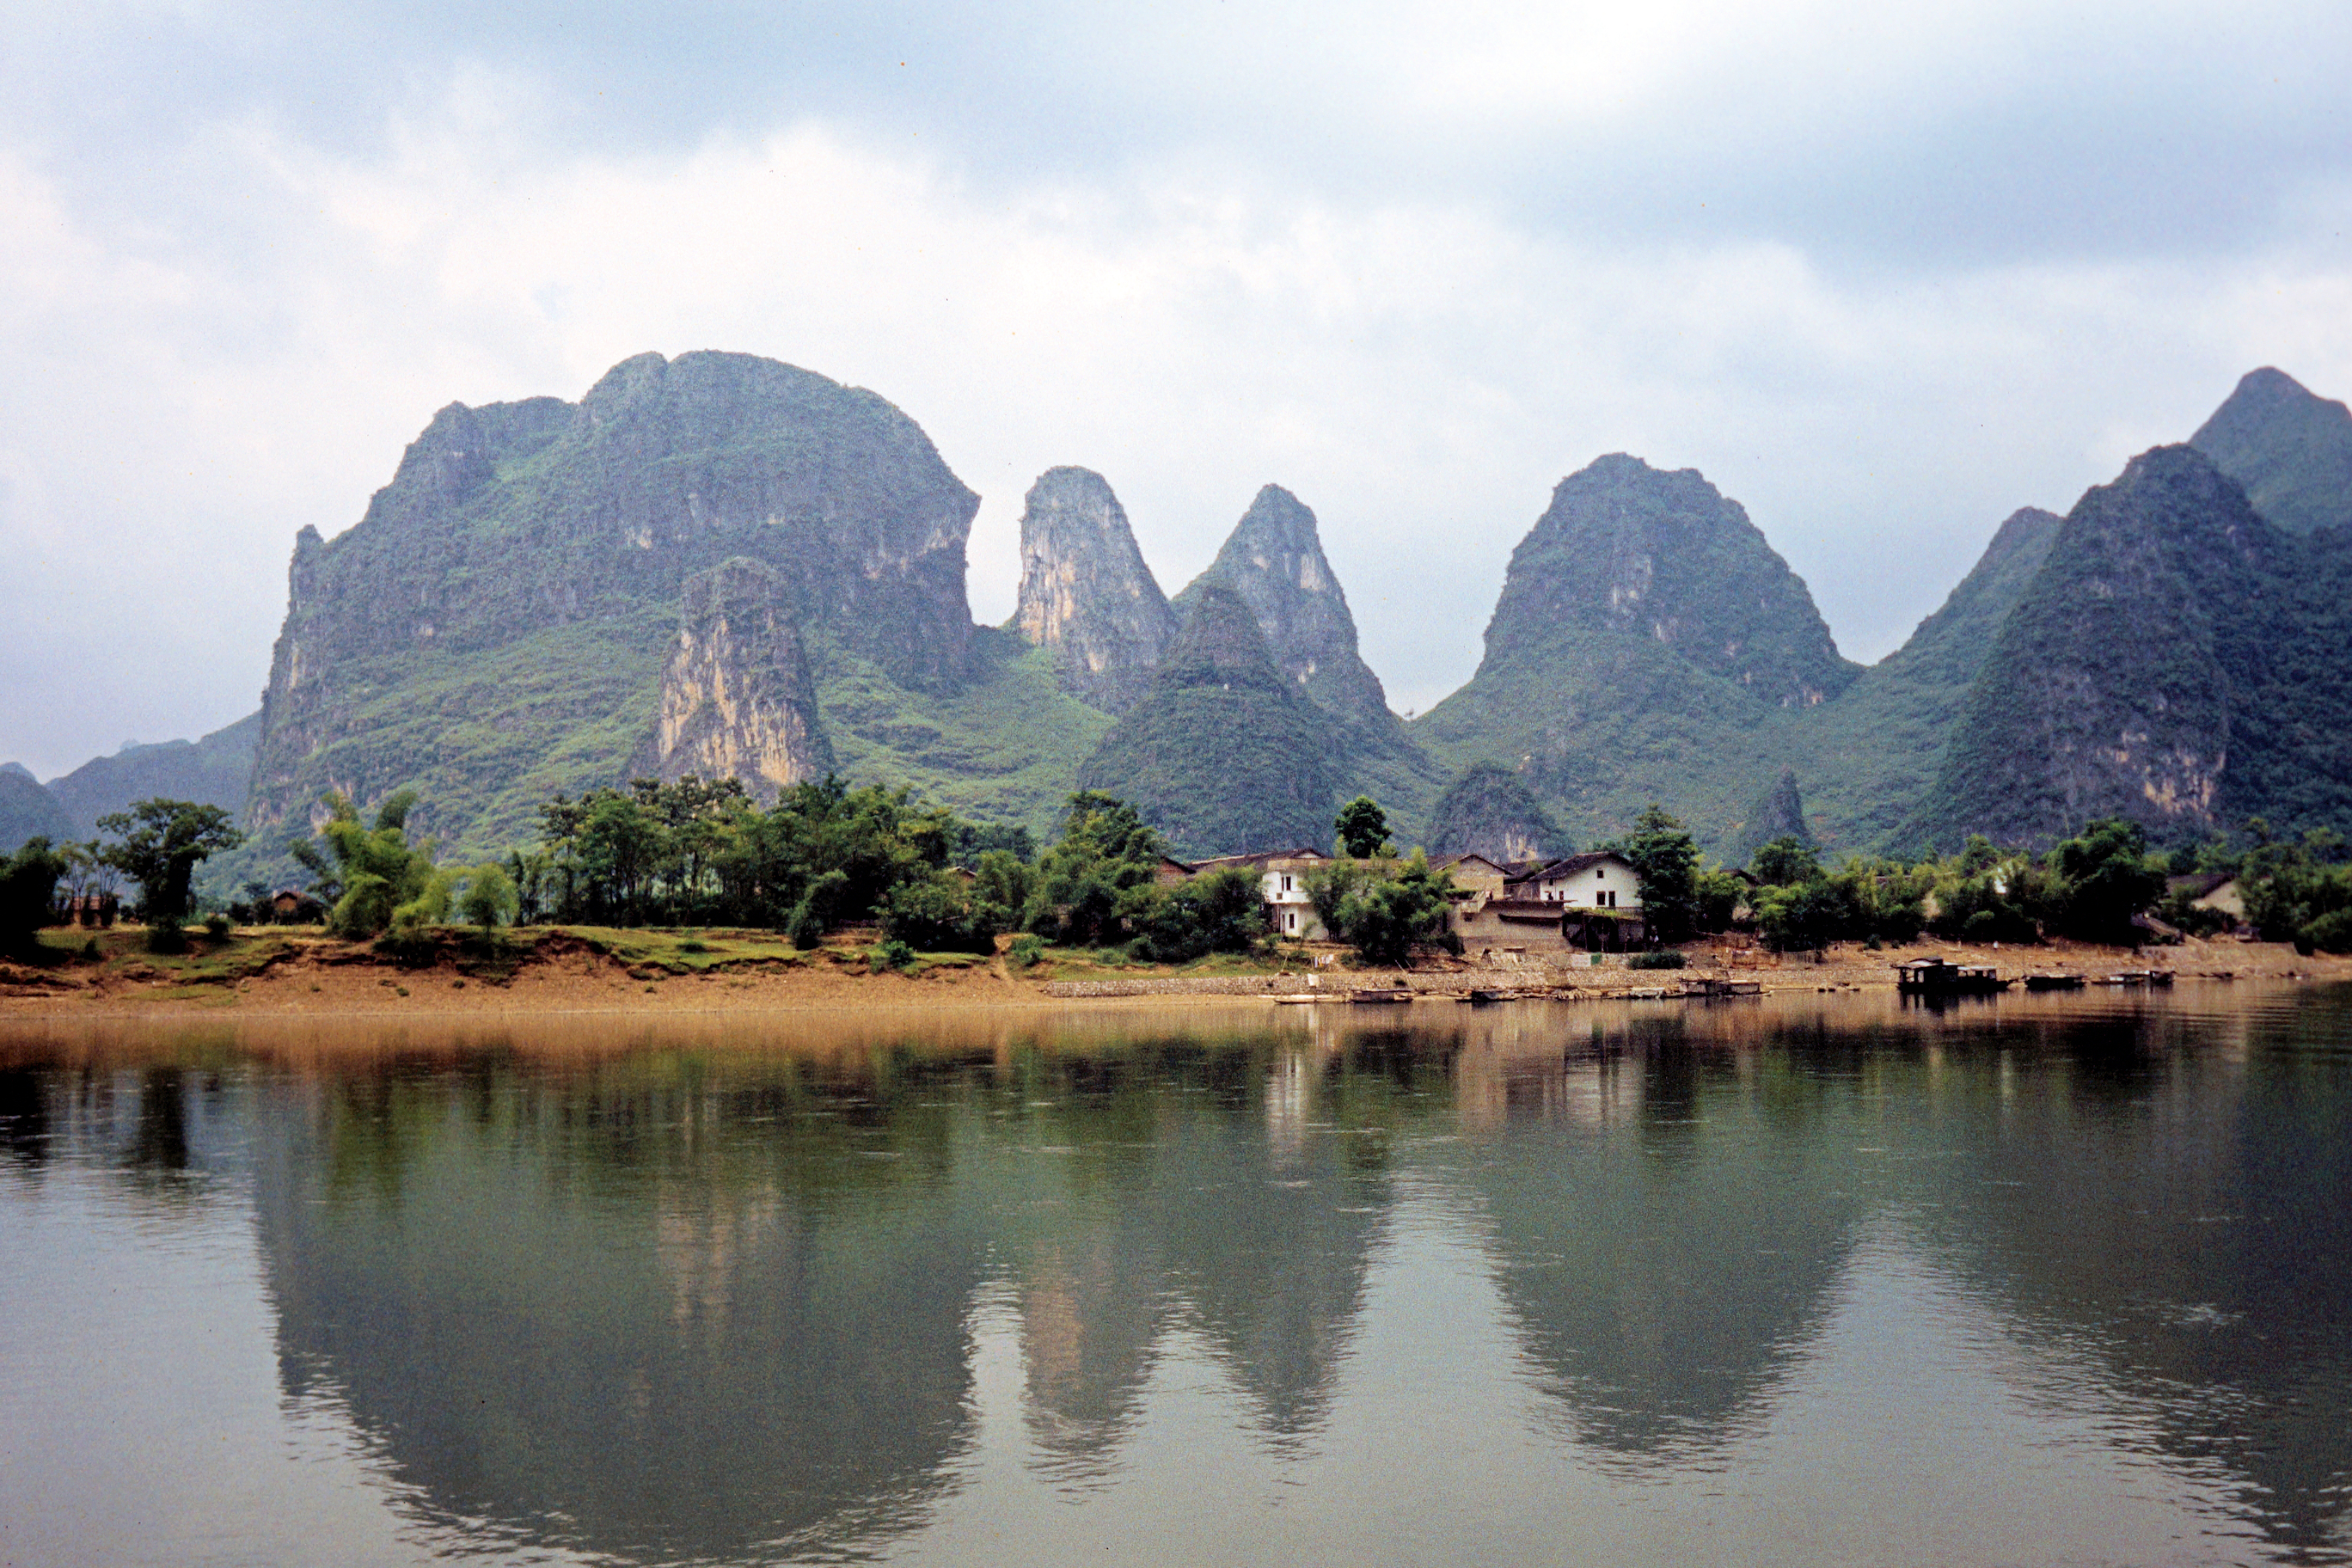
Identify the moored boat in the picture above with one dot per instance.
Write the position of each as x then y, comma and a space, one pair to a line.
2049, 982
1942, 978
1381, 995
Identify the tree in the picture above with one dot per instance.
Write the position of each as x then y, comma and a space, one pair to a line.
28, 890
1664, 858
1363, 829
379, 876
1784, 862
1223, 912
489, 899
1103, 869
159, 843
1385, 918
2105, 882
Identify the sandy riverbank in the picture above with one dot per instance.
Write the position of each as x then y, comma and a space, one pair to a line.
273, 971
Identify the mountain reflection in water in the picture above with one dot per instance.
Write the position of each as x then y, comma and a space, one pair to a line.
725, 1292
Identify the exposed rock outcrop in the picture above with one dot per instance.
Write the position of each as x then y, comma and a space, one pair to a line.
1490, 810
497, 626
737, 700
1085, 592
1273, 560
2178, 660
1224, 755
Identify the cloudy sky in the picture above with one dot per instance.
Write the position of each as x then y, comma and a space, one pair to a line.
1883, 273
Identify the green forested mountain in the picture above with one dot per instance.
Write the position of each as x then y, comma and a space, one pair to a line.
1273, 560
2292, 451
2178, 660
497, 628
1865, 760
1224, 756
1645, 638
722, 564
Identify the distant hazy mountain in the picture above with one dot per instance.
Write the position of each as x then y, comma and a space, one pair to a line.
1224, 755
2290, 450
29, 811
213, 771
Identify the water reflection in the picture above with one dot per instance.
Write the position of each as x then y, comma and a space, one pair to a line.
686, 1295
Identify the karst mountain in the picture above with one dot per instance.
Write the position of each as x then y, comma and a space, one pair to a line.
723, 565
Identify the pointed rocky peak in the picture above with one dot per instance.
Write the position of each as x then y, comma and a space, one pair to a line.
2291, 450
1664, 556
1224, 755
738, 699
2123, 682
1274, 559
1779, 812
1490, 810
1085, 592
1220, 644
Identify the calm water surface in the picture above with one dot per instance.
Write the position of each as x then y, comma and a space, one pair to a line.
1805, 1281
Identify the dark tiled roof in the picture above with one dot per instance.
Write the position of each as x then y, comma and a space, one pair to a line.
1568, 865
1257, 858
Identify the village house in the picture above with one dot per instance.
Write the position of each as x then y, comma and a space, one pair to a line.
1282, 878
1589, 903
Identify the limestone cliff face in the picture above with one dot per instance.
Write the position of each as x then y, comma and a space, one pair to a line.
1273, 560
498, 622
2154, 669
736, 700
1085, 592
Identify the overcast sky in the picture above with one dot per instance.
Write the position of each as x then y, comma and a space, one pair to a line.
1883, 273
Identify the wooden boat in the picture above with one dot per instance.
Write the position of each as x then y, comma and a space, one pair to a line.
1374, 996
2054, 983
2158, 977
1709, 987
1479, 997
1942, 978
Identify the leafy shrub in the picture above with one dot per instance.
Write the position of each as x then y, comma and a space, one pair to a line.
1657, 961
891, 955
216, 926
1026, 949
28, 882
490, 897
2329, 933
165, 936
1223, 912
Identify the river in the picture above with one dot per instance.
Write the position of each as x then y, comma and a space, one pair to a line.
1798, 1279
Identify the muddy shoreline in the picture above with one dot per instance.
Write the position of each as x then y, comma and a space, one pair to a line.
559, 971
